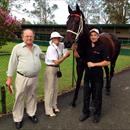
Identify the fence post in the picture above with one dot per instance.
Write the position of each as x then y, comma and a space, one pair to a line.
3, 99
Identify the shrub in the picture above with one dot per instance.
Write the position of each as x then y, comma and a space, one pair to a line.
8, 26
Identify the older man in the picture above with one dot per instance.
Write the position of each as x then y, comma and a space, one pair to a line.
25, 60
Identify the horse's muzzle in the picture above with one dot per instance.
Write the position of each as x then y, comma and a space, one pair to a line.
67, 44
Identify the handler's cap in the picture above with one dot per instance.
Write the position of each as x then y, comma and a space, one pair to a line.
94, 30
56, 34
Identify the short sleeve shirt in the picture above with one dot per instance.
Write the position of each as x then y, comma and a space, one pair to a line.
54, 53
98, 53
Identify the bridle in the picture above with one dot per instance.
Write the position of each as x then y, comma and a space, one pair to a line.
80, 29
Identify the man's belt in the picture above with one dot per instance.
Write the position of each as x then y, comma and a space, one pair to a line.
25, 75
53, 65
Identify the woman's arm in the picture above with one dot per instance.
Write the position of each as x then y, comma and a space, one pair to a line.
60, 60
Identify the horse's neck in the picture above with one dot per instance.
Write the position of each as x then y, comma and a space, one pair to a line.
84, 42
84, 37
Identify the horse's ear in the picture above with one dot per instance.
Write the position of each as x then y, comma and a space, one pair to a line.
77, 8
69, 9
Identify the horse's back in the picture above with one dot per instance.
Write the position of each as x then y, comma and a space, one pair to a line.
112, 43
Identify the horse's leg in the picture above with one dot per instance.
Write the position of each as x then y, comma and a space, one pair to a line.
113, 63
108, 84
112, 69
80, 69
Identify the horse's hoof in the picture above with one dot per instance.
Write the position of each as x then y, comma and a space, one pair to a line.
108, 92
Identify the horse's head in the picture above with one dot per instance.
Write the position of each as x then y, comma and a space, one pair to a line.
74, 26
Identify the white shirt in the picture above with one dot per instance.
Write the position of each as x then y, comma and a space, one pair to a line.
54, 52
24, 60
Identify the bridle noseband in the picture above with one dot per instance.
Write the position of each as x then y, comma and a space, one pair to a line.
80, 29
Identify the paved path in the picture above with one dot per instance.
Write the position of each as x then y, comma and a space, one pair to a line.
116, 111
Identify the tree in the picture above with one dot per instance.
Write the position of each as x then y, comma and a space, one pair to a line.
44, 11
4, 4
118, 11
90, 8
8, 25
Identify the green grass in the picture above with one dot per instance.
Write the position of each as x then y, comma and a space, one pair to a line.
66, 68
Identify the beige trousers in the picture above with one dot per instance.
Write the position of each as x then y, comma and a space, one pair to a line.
50, 89
25, 97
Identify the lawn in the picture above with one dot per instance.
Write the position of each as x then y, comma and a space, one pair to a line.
64, 82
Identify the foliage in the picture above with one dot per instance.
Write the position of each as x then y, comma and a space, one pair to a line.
8, 26
90, 8
43, 11
4, 4
118, 11
39, 9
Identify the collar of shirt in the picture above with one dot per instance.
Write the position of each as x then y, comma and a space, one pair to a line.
54, 45
24, 45
96, 43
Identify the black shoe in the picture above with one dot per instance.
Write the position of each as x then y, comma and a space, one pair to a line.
73, 104
34, 119
108, 92
83, 117
18, 125
96, 119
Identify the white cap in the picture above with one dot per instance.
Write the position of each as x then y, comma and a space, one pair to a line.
94, 30
55, 34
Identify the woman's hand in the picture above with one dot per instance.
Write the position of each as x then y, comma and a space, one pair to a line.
67, 54
76, 54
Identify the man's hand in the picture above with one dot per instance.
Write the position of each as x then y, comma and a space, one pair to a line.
9, 81
91, 64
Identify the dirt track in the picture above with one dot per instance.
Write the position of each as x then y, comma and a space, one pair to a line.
115, 116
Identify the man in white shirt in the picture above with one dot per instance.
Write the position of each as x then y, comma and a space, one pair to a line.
25, 60
55, 55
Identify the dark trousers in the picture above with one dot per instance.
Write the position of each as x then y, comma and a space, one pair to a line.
93, 84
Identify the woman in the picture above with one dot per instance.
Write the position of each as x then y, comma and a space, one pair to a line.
97, 57
55, 55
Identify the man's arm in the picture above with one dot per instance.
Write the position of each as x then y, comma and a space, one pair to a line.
98, 64
12, 66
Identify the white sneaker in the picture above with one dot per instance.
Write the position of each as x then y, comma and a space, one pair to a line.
51, 114
56, 110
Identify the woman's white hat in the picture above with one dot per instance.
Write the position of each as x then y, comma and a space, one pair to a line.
94, 30
55, 34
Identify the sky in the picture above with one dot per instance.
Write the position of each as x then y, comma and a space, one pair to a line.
61, 13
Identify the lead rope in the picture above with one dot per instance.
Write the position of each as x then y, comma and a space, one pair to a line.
80, 29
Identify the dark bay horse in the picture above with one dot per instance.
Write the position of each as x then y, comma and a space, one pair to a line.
78, 32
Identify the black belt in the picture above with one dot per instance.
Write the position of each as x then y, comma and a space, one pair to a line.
25, 75
53, 65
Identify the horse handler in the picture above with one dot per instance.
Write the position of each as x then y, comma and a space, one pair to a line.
25, 60
97, 57
55, 55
